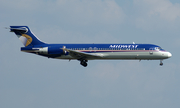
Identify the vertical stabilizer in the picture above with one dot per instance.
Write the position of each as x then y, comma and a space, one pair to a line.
25, 35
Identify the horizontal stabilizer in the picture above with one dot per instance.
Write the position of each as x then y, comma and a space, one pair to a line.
19, 29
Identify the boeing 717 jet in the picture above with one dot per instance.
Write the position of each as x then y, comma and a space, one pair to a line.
85, 52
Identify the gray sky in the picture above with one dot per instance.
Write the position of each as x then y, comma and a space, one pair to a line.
31, 81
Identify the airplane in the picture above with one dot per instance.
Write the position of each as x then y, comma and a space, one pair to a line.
85, 52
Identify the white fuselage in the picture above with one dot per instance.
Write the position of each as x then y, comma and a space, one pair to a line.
144, 55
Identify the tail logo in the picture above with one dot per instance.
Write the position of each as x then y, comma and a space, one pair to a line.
29, 39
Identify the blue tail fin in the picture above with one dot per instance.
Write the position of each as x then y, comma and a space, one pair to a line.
25, 35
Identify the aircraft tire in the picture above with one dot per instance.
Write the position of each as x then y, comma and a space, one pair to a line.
83, 63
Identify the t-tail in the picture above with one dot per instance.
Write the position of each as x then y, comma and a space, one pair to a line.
25, 35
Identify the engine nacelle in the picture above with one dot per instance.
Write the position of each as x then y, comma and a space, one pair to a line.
53, 50
43, 50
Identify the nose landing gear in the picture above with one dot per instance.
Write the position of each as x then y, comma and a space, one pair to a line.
161, 63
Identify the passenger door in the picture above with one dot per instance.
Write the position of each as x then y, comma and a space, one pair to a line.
150, 51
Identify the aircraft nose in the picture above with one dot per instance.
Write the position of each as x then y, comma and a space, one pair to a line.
169, 54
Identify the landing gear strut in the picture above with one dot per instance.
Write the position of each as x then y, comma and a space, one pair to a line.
161, 63
84, 62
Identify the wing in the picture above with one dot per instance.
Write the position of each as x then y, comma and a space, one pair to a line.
81, 55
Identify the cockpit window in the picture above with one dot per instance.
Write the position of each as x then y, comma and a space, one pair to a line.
158, 48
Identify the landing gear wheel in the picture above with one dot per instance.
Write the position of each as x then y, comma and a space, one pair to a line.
83, 63
161, 64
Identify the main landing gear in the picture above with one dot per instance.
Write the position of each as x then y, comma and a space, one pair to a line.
161, 63
84, 62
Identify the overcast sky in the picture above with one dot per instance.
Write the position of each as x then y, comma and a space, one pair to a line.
31, 81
